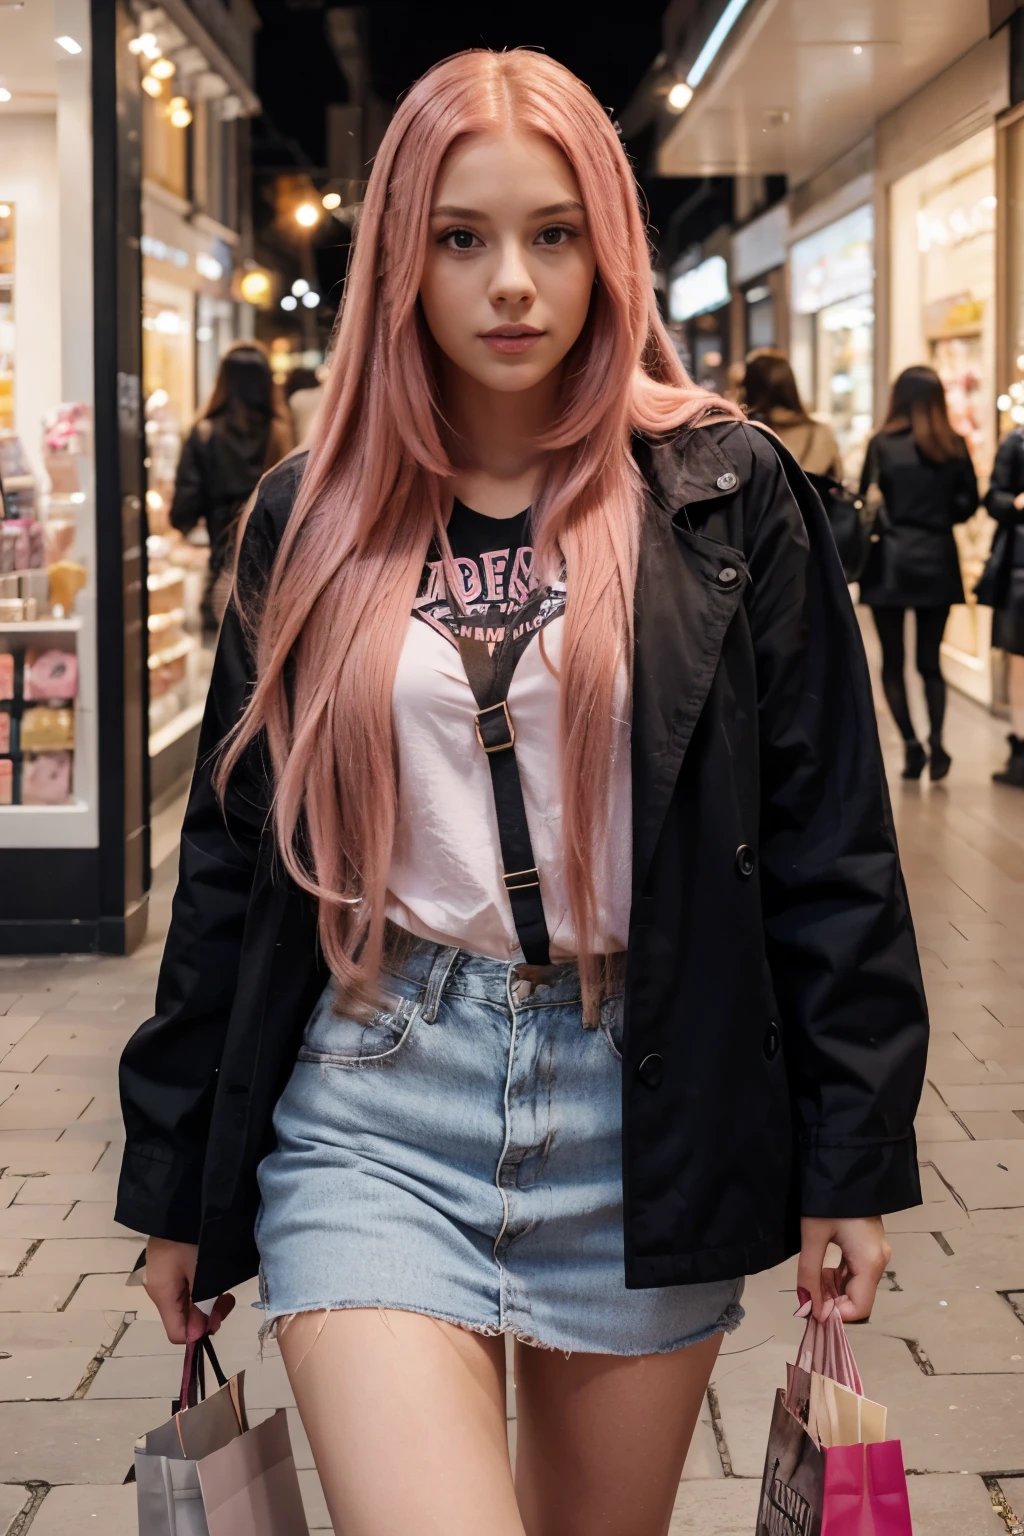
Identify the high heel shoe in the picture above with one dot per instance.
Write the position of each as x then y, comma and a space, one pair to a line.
915, 761
939, 763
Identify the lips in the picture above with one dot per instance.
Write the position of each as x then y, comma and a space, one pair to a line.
512, 338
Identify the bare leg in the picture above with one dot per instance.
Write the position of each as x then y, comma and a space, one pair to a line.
601, 1439
406, 1419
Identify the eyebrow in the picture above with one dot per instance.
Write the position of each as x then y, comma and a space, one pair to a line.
551, 211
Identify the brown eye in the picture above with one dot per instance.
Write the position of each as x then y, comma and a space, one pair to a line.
555, 234
459, 239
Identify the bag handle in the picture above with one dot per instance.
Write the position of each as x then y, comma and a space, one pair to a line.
825, 1348
193, 1373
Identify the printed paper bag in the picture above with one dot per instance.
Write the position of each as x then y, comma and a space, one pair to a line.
829, 1470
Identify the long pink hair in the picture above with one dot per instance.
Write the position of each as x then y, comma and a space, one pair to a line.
377, 487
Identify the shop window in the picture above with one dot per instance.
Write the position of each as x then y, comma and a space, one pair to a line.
164, 147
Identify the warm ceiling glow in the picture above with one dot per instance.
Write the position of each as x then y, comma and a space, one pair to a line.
5, 95
255, 287
68, 44
179, 112
680, 96
151, 86
163, 69
331, 200
5, 210
306, 215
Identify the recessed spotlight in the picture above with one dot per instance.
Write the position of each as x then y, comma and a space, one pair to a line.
289, 302
311, 299
299, 287
331, 200
858, 48
68, 44
680, 96
5, 95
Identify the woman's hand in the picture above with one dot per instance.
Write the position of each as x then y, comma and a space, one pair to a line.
170, 1269
852, 1286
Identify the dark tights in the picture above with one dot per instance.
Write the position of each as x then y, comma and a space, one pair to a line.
931, 623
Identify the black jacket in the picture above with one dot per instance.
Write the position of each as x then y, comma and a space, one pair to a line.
914, 563
772, 970
217, 473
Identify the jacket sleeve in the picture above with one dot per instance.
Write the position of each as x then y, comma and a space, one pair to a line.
965, 490
869, 474
839, 936
169, 1067
190, 499
1006, 483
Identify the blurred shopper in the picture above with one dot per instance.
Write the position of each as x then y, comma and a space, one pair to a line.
304, 392
1002, 587
242, 432
919, 477
398, 1047
771, 396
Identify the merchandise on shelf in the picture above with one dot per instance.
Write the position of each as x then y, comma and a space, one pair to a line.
46, 778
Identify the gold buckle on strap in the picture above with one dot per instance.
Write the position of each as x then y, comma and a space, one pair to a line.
519, 881
501, 746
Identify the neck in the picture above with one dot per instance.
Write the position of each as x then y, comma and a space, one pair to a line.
493, 439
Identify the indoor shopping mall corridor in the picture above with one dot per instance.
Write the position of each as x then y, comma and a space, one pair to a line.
84, 1367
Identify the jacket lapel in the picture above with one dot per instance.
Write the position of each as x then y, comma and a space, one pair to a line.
685, 601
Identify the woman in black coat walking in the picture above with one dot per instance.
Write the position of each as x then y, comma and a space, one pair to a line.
1002, 587
920, 472
242, 433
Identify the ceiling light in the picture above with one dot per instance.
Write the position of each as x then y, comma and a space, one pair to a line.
857, 48
723, 26
5, 95
306, 215
152, 86
311, 299
5, 210
680, 96
163, 69
1020, 363
1017, 415
331, 200
179, 112
1003, 403
289, 302
68, 44
255, 286
299, 287
143, 44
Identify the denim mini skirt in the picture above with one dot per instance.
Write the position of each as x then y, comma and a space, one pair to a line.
460, 1156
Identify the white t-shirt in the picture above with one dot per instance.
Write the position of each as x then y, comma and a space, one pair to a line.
445, 880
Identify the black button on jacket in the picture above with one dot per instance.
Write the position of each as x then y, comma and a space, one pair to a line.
775, 1025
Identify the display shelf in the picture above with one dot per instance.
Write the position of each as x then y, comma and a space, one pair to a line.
185, 720
41, 627
172, 653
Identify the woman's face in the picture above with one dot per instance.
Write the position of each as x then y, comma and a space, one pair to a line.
509, 270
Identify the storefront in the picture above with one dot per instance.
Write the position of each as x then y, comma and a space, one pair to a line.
833, 327
760, 313
699, 299
83, 633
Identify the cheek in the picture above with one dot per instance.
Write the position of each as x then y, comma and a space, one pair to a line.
443, 299
572, 290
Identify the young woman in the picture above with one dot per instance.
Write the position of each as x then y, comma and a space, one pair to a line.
242, 432
772, 396
1002, 587
921, 471
540, 962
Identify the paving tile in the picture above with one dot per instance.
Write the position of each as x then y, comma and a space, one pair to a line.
12, 1502
952, 1504
32, 1221
939, 1128
30, 1157
746, 1385
84, 1255
77, 1511
727, 1508
1013, 1491
73, 1442
58, 1065
109, 1293
42, 1106
141, 1376
42, 1373
993, 1124
147, 1338
988, 1096
962, 1332
90, 1218
57, 1330
985, 1174
61, 1188
13, 1251
44, 1294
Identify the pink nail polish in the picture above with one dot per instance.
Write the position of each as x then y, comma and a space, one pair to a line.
805, 1310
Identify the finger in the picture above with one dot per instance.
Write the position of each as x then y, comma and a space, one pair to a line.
222, 1306
172, 1303
855, 1305
808, 1273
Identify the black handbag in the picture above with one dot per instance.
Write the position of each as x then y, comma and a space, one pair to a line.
850, 530
993, 585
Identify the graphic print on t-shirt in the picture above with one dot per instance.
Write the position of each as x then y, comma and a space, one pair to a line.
494, 562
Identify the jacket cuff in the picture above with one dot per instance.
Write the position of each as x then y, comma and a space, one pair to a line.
159, 1193
847, 1180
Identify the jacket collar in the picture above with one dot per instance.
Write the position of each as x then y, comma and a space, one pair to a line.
693, 466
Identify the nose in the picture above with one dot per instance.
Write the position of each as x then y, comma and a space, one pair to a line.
511, 282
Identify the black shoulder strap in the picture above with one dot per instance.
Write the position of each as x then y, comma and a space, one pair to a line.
490, 676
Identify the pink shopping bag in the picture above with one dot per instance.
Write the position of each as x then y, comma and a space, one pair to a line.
865, 1491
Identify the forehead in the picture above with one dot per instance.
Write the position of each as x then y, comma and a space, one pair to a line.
497, 169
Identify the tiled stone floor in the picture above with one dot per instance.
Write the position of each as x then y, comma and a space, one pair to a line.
84, 1367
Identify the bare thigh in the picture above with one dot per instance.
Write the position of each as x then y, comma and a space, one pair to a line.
601, 1439
406, 1419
